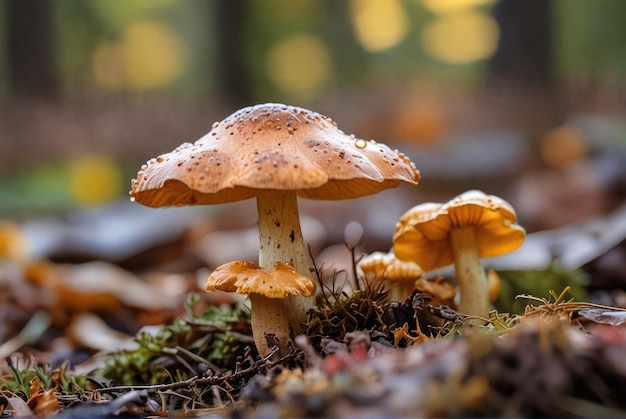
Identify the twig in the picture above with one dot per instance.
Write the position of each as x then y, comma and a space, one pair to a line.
352, 249
559, 306
263, 364
318, 275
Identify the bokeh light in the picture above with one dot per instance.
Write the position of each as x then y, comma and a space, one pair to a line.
563, 145
299, 65
378, 24
451, 6
419, 121
460, 38
95, 179
149, 55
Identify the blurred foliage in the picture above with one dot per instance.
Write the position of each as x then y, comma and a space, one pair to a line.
86, 180
355, 42
188, 347
177, 27
589, 36
297, 52
554, 278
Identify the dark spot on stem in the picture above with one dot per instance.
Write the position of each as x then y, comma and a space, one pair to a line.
292, 236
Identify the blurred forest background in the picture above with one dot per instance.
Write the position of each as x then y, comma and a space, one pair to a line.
521, 99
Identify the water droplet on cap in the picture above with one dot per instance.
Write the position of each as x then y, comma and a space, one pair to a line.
360, 143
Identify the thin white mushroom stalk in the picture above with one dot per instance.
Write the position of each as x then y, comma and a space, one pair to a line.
470, 274
269, 316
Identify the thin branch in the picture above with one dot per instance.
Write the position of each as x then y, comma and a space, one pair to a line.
263, 364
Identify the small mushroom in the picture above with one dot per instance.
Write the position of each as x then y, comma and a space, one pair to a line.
471, 226
399, 275
275, 153
441, 291
267, 291
493, 285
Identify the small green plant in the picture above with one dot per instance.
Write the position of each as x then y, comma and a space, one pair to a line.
190, 346
554, 277
17, 379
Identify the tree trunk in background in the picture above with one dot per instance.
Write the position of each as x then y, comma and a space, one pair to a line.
525, 44
233, 80
30, 52
521, 83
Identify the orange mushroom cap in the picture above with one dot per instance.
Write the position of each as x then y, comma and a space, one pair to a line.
387, 266
422, 234
248, 278
271, 147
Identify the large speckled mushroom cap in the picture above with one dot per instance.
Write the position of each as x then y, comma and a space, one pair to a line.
271, 147
422, 234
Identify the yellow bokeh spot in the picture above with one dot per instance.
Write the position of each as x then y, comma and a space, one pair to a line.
13, 243
149, 55
452, 6
299, 64
460, 38
95, 180
378, 24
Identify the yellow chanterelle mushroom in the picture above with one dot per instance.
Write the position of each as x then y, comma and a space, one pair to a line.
470, 226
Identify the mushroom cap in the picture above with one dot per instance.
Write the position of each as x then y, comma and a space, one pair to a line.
248, 278
271, 147
387, 266
422, 234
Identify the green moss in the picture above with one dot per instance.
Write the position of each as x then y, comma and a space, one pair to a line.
190, 346
554, 277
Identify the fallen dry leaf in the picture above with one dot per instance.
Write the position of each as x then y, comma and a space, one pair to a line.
86, 330
42, 402
17, 408
599, 315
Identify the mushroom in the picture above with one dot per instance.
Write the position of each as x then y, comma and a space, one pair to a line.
493, 285
471, 226
400, 275
441, 291
266, 291
275, 153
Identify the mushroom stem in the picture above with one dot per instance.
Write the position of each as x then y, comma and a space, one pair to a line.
281, 241
401, 290
470, 274
269, 316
